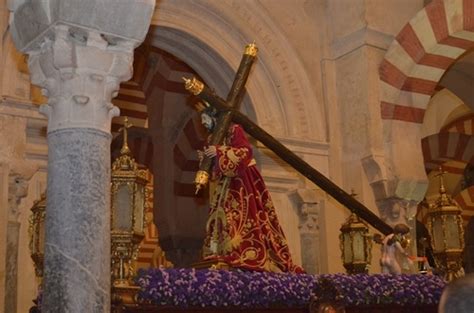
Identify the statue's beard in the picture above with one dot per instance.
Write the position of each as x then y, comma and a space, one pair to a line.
210, 126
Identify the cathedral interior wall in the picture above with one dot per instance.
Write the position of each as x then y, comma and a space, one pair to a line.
315, 87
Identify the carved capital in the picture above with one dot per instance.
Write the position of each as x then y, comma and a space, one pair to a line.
80, 72
308, 209
79, 53
387, 183
116, 20
395, 211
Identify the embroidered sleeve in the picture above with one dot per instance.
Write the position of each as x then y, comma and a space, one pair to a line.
233, 159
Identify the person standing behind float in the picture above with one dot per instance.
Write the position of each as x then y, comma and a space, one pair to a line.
243, 228
458, 296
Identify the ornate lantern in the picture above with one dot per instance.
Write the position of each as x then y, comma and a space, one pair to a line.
447, 234
36, 231
355, 245
127, 218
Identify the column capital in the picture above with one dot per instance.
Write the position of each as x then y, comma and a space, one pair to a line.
395, 210
79, 53
307, 201
388, 182
80, 73
116, 20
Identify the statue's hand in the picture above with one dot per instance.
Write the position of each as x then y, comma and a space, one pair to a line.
200, 154
210, 151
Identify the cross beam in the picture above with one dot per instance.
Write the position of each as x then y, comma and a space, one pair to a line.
288, 156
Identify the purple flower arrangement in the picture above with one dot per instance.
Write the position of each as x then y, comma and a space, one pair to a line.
363, 289
184, 288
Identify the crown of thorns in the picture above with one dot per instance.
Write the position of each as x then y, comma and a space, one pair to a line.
205, 108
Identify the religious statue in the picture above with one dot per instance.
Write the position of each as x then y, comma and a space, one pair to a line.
395, 259
243, 228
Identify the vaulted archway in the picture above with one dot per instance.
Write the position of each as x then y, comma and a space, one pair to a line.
415, 62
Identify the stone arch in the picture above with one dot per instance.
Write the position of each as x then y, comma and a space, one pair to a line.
210, 36
409, 73
462, 125
420, 55
443, 108
446, 146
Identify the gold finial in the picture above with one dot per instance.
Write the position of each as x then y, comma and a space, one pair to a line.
193, 85
125, 149
251, 49
201, 179
442, 189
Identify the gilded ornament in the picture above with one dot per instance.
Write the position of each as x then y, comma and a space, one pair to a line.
128, 192
447, 233
251, 49
201, 179
193, 85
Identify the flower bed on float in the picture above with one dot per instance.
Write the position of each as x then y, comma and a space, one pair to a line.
188, 288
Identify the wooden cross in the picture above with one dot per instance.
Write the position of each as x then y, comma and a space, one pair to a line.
234, 98
228, 109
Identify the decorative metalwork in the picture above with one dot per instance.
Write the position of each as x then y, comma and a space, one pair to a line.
355, 244
193, 85
128, 192
447, 233
36, 231
201, 180
251, 49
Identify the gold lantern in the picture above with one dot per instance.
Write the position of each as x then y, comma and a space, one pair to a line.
36, 231
127, 218
447, 234
355, 245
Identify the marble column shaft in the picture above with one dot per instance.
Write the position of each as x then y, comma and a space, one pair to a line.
77, 258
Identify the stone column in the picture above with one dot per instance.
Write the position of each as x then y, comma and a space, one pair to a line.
79, 75
17, 189
308, 209
79, 53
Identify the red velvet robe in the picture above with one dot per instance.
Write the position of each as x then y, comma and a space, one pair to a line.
248, 233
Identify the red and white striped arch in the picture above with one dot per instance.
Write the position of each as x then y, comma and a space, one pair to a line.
161, 80
421, 53
465, 199
165, 137
157, 84
453, 149
462, 125
448, 146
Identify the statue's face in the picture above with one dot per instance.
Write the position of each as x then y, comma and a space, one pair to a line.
207, 121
